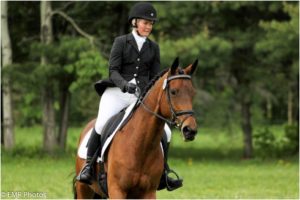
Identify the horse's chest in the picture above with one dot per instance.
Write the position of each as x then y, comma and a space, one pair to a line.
137, 174
142, 181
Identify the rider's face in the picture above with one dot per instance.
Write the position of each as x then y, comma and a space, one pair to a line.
144, 27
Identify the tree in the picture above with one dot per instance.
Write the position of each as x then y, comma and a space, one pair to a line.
8, 124
49, 70
47, 90
59, 73
241, 27
235, 27
283, 35
234, 42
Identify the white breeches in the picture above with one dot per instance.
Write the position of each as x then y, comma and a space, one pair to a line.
113, 101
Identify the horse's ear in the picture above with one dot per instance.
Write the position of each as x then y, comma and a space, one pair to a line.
190, 69
174, 66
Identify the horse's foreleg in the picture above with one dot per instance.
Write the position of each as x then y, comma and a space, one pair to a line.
149, 195
83, 191
115, 192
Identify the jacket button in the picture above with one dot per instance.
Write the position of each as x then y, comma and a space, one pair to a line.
137, 67
138, 59
138, 81
135, 75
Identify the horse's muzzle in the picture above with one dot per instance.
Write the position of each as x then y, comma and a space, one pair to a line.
188, 133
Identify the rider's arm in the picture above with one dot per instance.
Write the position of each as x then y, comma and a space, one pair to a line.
115, 63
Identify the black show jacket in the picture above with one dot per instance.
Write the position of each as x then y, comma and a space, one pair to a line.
127, 62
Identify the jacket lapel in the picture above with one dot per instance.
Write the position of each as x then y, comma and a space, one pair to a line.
132, 41
145, 46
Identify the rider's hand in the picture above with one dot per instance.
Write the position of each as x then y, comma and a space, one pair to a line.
130, 88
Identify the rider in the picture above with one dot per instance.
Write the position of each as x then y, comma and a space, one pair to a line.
134, 61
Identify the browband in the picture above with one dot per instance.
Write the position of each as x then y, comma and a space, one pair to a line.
180, 76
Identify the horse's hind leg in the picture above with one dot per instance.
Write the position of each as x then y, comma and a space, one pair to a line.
83, 191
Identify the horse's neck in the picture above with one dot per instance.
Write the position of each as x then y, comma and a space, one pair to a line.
150, 134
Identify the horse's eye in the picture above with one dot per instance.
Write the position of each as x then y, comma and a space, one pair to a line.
173, 92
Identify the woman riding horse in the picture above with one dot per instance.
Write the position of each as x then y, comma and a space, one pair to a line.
134, 162
134, 60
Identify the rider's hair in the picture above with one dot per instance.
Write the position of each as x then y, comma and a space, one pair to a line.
134, 23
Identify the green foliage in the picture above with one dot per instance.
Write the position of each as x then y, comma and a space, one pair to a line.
282, 35
70, 57
278, 51
73, 61
90, 66
264, 142
84, 105
211, 52
292, 136
177, 19
29, 113
269, 145
246, 50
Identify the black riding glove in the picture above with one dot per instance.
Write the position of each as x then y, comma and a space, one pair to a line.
130, 88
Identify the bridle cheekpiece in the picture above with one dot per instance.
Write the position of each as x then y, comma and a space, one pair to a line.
175, 121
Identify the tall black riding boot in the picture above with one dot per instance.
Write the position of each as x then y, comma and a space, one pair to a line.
86, 174
166, 181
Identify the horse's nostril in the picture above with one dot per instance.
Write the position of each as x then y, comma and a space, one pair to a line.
187, 129
189, 133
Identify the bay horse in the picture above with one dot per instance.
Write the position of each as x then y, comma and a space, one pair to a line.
135, 159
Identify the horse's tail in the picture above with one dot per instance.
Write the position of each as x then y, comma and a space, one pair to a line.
74, 187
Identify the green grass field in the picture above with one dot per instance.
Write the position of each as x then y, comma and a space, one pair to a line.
211, 167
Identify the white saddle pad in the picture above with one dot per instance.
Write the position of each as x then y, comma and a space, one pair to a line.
82, 150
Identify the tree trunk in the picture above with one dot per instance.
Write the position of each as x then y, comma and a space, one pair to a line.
8, 124
49, 142
64, 105
290, 107
269, 110
247, 128
123, 25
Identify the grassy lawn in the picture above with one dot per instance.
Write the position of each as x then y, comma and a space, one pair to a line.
211, 167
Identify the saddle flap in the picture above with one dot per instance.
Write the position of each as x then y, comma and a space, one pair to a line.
111, 126
109, 130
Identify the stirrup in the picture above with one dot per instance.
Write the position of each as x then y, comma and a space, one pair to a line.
179, 180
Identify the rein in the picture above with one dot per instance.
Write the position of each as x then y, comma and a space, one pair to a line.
175, 121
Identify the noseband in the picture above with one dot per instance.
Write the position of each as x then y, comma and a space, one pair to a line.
175, 121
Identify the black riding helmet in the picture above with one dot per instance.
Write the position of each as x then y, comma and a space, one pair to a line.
143, 10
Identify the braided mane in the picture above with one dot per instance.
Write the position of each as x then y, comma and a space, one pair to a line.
152, 82
142, 96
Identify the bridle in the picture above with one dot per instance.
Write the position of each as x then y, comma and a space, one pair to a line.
174, 121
